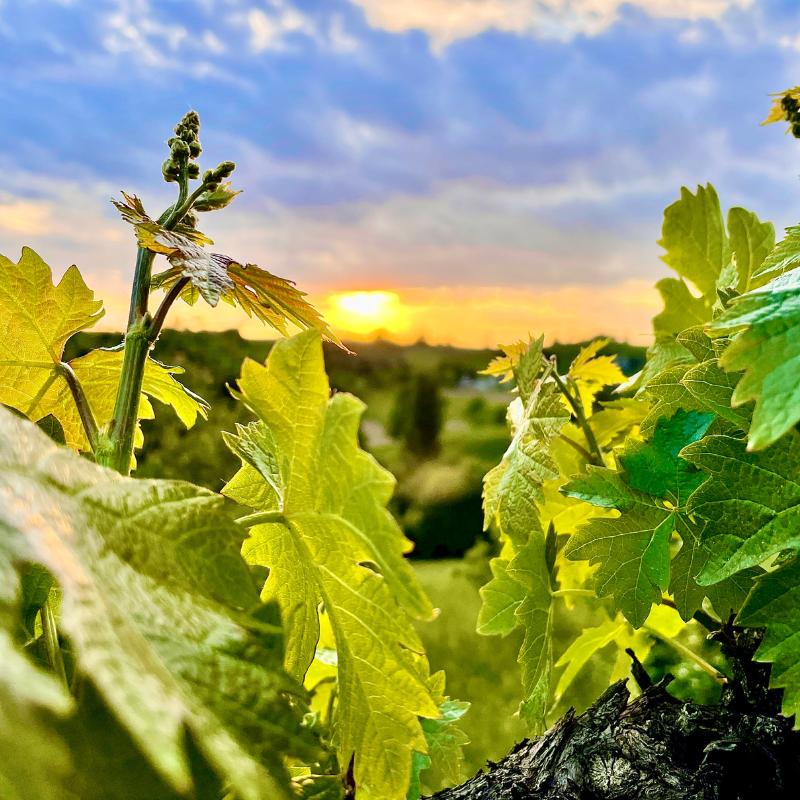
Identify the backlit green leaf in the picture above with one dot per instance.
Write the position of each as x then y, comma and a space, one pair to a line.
752, 241
444, 764
513, 488
765, 346
654, 467
632, 550
332, 541
159, 608
784, 257
694, 238
529, 568
751, 502
633, 553
36, 319
775, 605
39, 318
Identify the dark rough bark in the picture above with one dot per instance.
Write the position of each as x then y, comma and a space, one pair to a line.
657, 747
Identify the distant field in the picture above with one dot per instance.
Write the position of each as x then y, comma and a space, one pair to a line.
491, 683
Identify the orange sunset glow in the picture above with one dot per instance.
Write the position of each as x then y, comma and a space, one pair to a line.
483, 316
368, 312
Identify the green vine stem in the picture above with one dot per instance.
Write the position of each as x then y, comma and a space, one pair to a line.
114, 445
584, 453
115, 448
50, 632
597, 454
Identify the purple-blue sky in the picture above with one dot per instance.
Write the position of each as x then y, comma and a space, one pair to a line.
500, 166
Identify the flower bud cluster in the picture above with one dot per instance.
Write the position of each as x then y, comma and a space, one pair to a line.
184, 148
212, 178
791, 108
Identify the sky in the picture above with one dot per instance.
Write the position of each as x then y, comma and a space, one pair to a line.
465, 171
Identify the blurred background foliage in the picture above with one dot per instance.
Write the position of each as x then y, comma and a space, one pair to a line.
439, 426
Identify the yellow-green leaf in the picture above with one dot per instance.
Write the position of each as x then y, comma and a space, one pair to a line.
512, 490
592, 372
328, 538
694, 238
36, 319
160, 611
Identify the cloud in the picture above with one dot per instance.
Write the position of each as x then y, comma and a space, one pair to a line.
272, 28
269, 31
131, 28
447, 21
24, 217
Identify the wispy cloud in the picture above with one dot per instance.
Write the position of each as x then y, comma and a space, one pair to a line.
447, 21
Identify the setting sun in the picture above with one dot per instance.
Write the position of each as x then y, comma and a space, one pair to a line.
366, 312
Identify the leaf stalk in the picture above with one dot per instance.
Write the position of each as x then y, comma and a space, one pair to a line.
157, 323
261, 518
81, 403
50, 632
687, 652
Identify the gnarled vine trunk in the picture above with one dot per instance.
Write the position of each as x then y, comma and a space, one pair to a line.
657, 747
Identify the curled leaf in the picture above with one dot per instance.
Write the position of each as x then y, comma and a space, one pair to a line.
216, 198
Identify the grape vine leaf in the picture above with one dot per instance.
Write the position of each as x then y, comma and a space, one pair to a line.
616, 419
512, 489
519, 594
333, 541
700, 250
682, 309
214, 276
589, 642
726, 596
99, 372
38, 318
752, 241
585, 648
694, 237
751, 502
632, 550
774, 604
784, 257
690, 386
633, 553
501, 597
655, 468
521, 362
503, 367
765, 346
531, 570
444, 763
592, 372
159, 607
